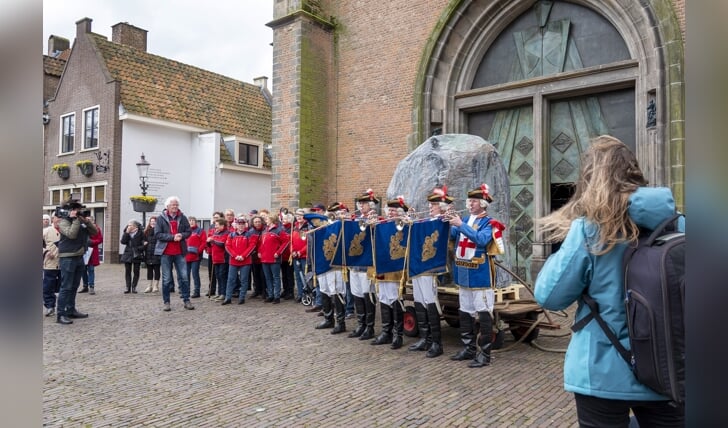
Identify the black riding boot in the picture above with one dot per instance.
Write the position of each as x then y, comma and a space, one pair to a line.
398, 324
370, 311
467, 338
425, 338
328, 321
386, 335
340, 314
433, 318
360, 315
486, 334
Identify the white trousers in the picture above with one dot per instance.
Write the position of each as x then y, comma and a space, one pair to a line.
332, 282
388, 292
360, 283
424, 288
476, 300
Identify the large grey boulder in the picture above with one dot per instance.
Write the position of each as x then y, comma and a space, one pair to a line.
461, 162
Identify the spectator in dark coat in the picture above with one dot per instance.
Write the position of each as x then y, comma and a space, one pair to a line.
133, 255
152, 260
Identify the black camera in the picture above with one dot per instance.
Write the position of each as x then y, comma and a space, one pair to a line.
65, 210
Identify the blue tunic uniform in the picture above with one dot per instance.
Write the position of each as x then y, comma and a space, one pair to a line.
471, 268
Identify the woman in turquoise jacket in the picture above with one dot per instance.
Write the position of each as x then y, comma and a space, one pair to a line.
595, 227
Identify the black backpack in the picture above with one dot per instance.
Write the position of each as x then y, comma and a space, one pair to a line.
654, 285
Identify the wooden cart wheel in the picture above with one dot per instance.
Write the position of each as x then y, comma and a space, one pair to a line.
519, 331
411, 329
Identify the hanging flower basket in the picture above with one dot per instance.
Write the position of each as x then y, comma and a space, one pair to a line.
143, 204
86, 167
62, 169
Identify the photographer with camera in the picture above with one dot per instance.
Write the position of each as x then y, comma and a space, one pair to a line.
76, 228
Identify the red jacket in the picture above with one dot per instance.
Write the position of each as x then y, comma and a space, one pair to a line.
216, 247
299, 245
273, 241
240, 245
94, 242
196, 244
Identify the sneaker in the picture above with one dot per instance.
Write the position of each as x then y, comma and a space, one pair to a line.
49, 311
167, 308
195, 296
91, 291
188, 305
241, 302
219, 297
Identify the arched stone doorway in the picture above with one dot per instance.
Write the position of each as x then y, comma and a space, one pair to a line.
538, 80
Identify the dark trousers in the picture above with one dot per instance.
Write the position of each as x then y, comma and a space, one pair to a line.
71, 270
51, 285
153, 272
221, 274
605, 413
131, 281
259, 279
287, 279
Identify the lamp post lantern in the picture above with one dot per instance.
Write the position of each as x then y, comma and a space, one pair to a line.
143, 169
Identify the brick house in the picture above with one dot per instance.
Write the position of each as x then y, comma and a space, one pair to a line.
206, 136
358, 86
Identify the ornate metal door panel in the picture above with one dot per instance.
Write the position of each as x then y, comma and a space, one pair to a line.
512, 134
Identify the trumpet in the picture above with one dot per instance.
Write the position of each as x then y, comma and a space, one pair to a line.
366, 221
450, 213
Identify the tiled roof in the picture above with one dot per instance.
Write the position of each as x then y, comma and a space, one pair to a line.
161, 88
53, 66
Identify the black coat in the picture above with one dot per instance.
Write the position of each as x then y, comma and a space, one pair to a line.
151, 259
134, 250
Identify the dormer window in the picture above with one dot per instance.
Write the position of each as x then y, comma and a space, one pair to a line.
248, 154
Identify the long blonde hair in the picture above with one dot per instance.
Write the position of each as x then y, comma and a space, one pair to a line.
609, 175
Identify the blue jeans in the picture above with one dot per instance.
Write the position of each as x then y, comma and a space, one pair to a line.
221, 277
193, 274
184, 284
317, 297
51, 283
349, 299
233, 279
299, 265
89, 275
272, 272
71, 271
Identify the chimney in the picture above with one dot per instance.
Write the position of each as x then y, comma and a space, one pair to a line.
56, 45
83, 26
261, 82
125, 34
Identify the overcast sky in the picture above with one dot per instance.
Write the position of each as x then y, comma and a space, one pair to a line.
228, 37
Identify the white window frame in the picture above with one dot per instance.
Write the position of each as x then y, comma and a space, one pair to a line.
72, 116
95, 131
249, 143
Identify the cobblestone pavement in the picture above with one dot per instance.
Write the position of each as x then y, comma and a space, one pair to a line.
263, 365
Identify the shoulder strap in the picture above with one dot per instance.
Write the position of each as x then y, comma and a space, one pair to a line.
594, 314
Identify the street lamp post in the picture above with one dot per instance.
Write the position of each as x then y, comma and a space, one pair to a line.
143, 169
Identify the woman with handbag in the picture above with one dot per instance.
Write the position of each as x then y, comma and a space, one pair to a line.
133, 255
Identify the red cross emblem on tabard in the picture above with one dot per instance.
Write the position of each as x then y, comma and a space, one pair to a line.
464, 244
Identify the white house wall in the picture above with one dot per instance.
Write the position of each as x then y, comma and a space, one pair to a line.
242, 191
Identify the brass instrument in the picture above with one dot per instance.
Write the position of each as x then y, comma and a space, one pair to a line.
364, 222
450, 213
